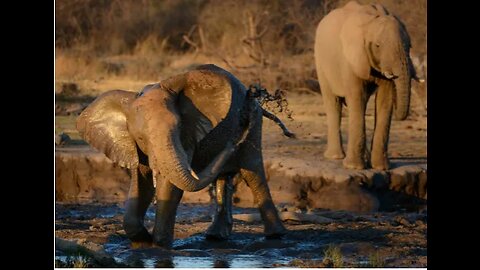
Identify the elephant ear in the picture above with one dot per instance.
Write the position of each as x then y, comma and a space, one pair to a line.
204, 101
352, 36
103, 124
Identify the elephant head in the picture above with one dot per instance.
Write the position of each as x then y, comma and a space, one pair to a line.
163, 121
377, 44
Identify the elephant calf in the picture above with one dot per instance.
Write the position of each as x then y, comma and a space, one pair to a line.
182, 134
359, 50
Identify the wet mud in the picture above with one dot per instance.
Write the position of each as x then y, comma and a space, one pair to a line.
390, 239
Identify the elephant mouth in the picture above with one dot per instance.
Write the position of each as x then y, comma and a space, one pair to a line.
383, 75
389, 75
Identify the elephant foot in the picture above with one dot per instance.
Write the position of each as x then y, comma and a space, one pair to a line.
276, 233
166, 244
273, 226
353, 163
219, 230
163, 241
338, 154
141, 240
218, 233
275, 230
137, 245
380, 162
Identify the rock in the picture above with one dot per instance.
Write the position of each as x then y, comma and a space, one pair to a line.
405, 179
305, 217
74, 109
313, 85
248, 217
69, 89
399, 220
84, 247
347, 196
420, 223
87, 175
339, 215
422, 185
62, 139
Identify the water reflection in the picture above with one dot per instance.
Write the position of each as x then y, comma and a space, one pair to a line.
137, 263
226, 261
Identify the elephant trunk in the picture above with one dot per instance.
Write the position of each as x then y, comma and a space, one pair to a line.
402, 86
169, 159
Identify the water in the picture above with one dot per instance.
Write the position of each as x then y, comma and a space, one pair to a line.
195, 258
226, 261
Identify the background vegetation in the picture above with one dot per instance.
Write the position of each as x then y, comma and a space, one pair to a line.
106, 44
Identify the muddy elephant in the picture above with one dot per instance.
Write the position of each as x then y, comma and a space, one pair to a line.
360, 50
181, 135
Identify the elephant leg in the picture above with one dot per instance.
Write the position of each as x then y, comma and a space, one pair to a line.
383, 115
356, 103
333, 110
255, 179
221, 227
139, 198
252, 171
168, 197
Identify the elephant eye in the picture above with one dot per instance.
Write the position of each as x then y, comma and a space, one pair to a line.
377, 45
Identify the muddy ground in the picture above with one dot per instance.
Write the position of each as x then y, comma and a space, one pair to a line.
391, 239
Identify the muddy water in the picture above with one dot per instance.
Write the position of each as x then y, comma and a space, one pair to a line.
186, 252
192, 258
399, 237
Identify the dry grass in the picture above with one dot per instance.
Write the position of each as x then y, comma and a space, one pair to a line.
76, 261
375, 260
262, 41
334, 254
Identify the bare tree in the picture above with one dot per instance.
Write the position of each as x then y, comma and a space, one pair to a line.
252, 41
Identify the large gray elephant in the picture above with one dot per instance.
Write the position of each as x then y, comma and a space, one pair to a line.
359, 50
183, 133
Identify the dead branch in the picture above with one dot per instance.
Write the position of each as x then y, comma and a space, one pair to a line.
252, 40
191, 43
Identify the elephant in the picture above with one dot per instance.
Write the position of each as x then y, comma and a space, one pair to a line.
182, 134
359, 50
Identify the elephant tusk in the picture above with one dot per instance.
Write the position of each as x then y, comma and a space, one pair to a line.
389, 75
194, 174
154, 180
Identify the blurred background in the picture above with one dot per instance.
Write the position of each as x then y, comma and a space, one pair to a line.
107, 44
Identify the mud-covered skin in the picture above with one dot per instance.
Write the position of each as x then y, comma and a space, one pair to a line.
182, 133
139, 198
222, 223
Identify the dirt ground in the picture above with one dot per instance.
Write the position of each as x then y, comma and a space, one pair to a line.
408, 139
388, 239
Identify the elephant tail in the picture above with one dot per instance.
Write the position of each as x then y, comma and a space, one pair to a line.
279, 122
